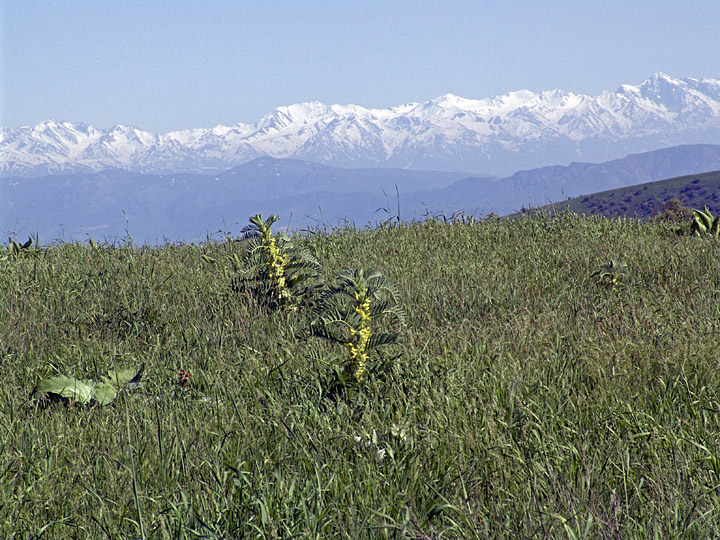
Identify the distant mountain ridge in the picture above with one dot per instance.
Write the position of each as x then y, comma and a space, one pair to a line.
186, 207
518, 130
526, 189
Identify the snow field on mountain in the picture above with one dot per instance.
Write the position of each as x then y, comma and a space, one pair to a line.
517, 130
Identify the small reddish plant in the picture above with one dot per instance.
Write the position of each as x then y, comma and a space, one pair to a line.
184, 379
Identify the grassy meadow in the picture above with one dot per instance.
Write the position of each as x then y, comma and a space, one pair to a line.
532, 397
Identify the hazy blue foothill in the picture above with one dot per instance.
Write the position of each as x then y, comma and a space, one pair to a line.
153, 209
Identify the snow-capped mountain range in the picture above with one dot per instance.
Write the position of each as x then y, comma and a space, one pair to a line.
518, 130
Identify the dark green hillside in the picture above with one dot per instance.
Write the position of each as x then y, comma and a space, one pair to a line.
647, 200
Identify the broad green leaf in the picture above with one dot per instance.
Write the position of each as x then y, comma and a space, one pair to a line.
118, 378
107, 389
715, 229
703, 219
105, 393
87, 391
697, 227
67, 387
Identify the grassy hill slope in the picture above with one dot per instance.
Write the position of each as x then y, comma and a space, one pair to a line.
536, 395
647, 200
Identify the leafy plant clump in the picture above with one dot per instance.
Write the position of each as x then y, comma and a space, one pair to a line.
612, 273
87, 391
704, 222
17, 250
673, 211
350, 311
274, 268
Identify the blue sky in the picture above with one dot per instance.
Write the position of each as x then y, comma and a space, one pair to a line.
166, 65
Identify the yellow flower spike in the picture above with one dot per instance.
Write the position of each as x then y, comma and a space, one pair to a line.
348, 318
276, 266
358, 350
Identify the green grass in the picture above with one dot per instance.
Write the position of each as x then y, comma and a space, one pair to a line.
530, 401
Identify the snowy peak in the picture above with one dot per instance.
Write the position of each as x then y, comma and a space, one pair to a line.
677, 95
299, 114
674, 94
519, 129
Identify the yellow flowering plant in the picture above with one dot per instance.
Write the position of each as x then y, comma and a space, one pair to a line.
611, 274
349, 312
274, 268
